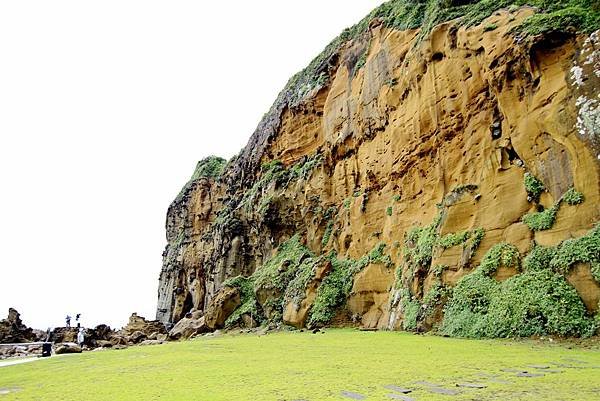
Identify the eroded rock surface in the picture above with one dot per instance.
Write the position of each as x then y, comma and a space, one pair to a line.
12, 329
365, 196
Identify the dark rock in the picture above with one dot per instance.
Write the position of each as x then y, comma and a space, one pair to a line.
12, 329
64, 335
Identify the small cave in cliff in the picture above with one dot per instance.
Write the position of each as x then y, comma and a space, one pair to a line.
188, 304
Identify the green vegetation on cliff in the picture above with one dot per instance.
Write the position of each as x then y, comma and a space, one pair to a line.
559, 16
538, 301
209, 167
335, 288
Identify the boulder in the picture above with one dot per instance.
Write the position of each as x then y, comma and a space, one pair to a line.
136, 337
222, 306
104, 344
118, 340
67, 348
188, 327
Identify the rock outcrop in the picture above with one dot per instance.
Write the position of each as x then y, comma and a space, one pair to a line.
12, 329
409, 178
138, 329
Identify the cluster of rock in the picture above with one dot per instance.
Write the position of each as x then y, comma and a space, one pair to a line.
20, 350
12, 330
16, 339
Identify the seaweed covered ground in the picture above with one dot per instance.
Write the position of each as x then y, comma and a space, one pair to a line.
336, 364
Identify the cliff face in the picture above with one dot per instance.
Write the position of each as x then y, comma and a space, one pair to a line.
409, 180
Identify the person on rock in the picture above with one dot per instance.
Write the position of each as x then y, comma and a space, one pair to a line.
77, 316
68, 321
80, 337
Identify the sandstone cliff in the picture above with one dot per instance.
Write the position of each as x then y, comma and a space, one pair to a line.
425, 171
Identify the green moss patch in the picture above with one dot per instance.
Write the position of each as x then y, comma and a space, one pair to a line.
209, 167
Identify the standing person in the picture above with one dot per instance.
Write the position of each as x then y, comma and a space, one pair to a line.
77, 316
80, 337
68, 320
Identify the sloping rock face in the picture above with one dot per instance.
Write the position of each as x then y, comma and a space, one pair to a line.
401, 172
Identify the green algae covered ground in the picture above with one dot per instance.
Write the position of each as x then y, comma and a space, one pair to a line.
306, 366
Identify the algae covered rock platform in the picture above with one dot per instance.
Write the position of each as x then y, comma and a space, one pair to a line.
323, 366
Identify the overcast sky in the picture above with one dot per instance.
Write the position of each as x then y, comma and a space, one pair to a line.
105, 107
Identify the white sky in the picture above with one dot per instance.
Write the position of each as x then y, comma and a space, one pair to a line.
105, 107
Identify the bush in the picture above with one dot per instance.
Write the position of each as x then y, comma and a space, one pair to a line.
537, 303
539, 221
464, 315
572, 197
502, 254
453, 239
533, 186
584, 249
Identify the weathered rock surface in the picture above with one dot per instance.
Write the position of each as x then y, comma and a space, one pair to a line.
12, 329
20, 350
64, 335
221, 307
137, 330
414, 145
67, 348
188, 327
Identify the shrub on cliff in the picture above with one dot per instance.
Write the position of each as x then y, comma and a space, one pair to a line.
538, 301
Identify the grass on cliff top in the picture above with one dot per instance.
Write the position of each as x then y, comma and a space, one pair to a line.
551, 16
294, 366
